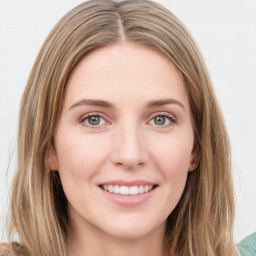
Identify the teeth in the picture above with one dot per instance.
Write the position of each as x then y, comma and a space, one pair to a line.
142, 189
134, 190
110, 188
125, 190
116, 189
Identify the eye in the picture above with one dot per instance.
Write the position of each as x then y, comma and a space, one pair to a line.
93, 120
160, 120
163, 120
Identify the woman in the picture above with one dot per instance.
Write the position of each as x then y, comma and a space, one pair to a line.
122, 148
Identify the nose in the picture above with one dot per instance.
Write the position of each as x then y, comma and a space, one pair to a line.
128, 147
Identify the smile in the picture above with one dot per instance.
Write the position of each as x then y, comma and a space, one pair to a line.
128, 193
127, 190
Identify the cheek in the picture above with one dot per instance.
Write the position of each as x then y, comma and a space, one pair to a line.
174, 155
172, 158
79, 158
78, 153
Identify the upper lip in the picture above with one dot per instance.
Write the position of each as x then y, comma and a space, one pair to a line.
128, 183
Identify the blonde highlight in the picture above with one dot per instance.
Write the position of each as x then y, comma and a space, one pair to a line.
202, 222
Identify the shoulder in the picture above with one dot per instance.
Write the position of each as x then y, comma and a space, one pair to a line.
247, 246
236, 252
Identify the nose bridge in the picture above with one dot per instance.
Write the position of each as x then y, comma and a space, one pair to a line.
128, 145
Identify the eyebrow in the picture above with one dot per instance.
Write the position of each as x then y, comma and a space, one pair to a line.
90, 102
159, 103
106, 104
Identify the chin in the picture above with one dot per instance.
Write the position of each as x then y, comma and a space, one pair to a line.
134, 229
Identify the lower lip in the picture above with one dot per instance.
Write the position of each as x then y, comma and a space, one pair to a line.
128, 200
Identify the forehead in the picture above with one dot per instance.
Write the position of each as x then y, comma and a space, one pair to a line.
126, 71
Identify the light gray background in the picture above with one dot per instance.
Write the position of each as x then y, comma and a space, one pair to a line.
225, 30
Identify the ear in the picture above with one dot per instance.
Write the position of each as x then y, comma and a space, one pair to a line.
51, 159
194, 160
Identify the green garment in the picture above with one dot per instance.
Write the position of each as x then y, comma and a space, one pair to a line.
247, 246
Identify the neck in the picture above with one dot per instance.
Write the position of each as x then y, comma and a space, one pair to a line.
84, 241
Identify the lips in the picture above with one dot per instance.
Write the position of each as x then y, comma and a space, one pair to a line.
128, 193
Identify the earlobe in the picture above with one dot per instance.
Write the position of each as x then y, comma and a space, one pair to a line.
192, 167
51, 159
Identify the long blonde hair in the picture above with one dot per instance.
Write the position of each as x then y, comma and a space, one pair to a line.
202, 222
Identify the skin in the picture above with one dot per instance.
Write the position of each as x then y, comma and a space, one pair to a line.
129, 143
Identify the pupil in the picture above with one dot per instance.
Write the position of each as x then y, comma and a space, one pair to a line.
159, 120
94, 120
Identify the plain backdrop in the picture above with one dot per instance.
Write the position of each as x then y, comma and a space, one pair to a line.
225, 31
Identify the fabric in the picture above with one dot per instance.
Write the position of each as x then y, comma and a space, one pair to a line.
247, 246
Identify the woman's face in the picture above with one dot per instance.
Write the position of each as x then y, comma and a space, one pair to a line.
123, 145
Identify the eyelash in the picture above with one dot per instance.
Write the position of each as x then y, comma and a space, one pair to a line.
171, 118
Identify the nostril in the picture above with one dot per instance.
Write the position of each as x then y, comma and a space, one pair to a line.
129, 163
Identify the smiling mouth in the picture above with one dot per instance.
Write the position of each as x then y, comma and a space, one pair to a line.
128, 190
